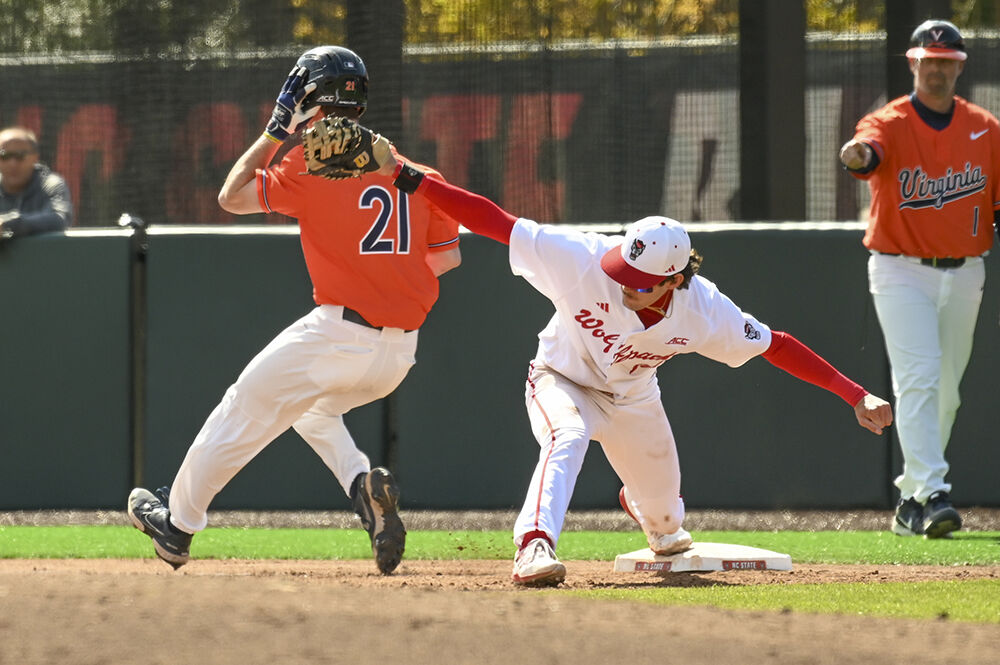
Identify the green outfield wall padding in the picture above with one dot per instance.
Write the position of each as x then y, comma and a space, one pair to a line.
455, 433
64, 372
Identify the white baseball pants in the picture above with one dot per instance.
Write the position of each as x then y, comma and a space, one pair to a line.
308, 377
928, 317
636, 439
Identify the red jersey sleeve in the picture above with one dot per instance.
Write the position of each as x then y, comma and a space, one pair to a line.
800, 361
442, 233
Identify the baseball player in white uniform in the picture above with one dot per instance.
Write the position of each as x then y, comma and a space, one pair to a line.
624, 306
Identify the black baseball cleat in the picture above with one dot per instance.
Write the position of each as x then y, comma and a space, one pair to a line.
376, 501
940, 517
909, 519
149, 513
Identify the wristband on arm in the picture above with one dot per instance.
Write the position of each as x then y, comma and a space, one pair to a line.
407, 178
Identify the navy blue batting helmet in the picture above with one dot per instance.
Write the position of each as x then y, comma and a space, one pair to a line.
340, 77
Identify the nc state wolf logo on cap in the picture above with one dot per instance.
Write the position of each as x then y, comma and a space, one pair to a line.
638, 247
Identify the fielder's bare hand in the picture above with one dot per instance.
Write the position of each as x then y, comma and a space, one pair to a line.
873, 413
855, 155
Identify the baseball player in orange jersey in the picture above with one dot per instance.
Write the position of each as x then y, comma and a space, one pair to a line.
623, 307
374, 256
932, 161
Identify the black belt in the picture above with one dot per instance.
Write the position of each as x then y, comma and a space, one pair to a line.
936, 262
354, 317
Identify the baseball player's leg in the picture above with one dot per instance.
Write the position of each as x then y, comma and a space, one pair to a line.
322, 425
269, 395
905, 297
559, 412
962, 296
310, 358
326, 433
373, 492
561, 416
640, 447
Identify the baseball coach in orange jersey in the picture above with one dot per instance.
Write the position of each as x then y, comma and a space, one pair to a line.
932, 162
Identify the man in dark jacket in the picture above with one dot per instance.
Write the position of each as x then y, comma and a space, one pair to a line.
33, 199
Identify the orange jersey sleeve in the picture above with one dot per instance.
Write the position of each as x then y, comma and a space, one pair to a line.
365, 242
934, 192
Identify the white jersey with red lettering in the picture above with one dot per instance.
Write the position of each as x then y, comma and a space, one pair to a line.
596, 341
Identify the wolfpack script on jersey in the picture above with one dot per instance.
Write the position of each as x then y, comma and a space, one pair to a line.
597, 342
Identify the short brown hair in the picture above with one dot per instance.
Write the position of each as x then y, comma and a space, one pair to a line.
690, 270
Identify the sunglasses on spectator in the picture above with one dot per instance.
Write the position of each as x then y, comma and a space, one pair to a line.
13, 154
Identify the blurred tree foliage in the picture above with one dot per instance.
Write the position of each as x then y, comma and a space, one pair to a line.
183, 26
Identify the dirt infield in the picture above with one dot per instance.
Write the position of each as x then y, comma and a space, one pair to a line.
310, 612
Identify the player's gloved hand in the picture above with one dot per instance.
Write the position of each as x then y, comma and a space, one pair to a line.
335, 148
288, 113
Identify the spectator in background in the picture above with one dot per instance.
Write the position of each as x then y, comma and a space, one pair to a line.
33, 199
932, 162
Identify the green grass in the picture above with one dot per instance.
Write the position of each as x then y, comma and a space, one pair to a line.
872, 547
963, 600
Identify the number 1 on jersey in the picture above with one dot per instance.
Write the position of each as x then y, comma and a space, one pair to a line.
373, 242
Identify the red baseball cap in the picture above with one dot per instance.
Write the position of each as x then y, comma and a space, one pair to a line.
654, 248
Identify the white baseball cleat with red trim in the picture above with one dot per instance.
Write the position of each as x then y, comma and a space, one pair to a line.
536, 564
669, 543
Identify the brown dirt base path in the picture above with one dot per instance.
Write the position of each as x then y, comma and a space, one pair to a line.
310, 612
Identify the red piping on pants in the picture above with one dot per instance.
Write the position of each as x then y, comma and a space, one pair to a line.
552, 434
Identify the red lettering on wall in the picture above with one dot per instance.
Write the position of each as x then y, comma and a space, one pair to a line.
455, 123
92, 131
205, 147
534, 119
30, 117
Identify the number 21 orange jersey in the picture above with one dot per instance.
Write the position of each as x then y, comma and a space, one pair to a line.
933, 192
365, 242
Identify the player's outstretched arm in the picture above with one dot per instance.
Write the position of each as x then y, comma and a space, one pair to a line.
474, 212
791, 355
